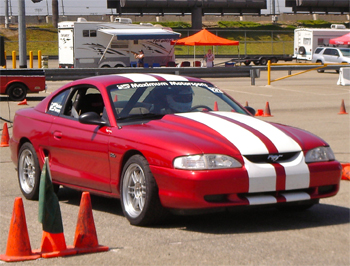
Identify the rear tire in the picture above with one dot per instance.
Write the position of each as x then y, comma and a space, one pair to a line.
28, 171
320, 70
139, 193
263, 61
17, 92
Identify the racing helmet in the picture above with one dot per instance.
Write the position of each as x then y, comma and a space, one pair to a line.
180, 99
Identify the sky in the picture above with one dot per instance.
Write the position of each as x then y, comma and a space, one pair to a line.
90, 7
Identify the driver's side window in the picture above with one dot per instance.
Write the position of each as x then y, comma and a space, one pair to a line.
82, 100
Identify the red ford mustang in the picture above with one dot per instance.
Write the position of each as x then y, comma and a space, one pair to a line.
168, 143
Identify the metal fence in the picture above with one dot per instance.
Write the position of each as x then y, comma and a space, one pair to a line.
251, 42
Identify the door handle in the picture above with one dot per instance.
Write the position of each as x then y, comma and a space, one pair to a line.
57, 134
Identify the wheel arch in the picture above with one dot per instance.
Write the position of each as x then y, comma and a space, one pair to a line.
14, 82
126, 157
41, 154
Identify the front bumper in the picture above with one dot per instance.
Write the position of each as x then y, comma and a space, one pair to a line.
180, 189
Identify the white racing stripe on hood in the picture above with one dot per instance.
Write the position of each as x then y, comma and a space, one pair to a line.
282, 142
245, 141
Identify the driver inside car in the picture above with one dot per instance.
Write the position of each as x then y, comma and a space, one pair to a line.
170, 100
180, 100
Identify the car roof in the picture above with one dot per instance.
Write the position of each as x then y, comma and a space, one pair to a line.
106, 80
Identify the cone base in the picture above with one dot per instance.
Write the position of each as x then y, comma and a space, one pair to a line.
342, 113
7, 258
99, 248
264, 115
4, 145
59, 253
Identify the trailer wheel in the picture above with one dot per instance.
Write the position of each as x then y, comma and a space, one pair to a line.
274, 60
247, 63
263, 61
17, 92
256, 62
105, 66
119, 65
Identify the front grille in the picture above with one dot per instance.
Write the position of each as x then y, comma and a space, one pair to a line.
272, 158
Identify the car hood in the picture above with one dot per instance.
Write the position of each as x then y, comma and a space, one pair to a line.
224, 132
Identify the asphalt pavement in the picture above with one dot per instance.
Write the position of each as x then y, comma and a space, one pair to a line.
319, 236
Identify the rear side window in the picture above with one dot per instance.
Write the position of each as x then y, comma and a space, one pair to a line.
318, 50
56, 103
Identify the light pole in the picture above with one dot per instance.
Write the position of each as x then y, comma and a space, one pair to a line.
7, 21
22, 44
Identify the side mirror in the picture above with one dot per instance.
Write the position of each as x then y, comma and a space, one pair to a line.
92, 118
251, 110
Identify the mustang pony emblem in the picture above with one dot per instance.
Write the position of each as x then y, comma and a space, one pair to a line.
274, 158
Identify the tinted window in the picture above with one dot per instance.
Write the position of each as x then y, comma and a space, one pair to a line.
328, 51
318, 50
57, 102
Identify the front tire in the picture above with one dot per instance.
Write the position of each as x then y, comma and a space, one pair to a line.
139, 193
28, 172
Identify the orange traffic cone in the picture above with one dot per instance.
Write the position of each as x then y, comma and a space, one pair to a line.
24, 102
18, 244
5, 136
216, 108
267, 111
260, 112
346, 171
85, 240
54, 245
342, 109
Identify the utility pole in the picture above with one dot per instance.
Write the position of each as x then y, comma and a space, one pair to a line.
55, 13
22, 44
7, 21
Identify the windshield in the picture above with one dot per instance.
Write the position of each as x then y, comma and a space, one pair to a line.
144, 99
345, 52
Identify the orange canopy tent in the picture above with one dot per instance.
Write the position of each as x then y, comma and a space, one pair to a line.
345, 39
204, 37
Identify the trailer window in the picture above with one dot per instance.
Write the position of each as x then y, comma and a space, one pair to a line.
89, 33
307, 41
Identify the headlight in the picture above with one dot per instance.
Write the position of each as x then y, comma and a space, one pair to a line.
206, 161
320, 154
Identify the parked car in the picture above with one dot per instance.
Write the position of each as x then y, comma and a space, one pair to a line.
331, 55
165, 143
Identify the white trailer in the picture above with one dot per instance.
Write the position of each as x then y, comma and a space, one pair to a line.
86, 44
306, 40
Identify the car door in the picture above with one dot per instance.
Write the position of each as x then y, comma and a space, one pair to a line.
331, 55
79, 152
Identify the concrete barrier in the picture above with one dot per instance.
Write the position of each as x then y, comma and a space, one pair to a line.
78, 73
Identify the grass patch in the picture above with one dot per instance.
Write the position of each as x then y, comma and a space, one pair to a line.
254, 38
